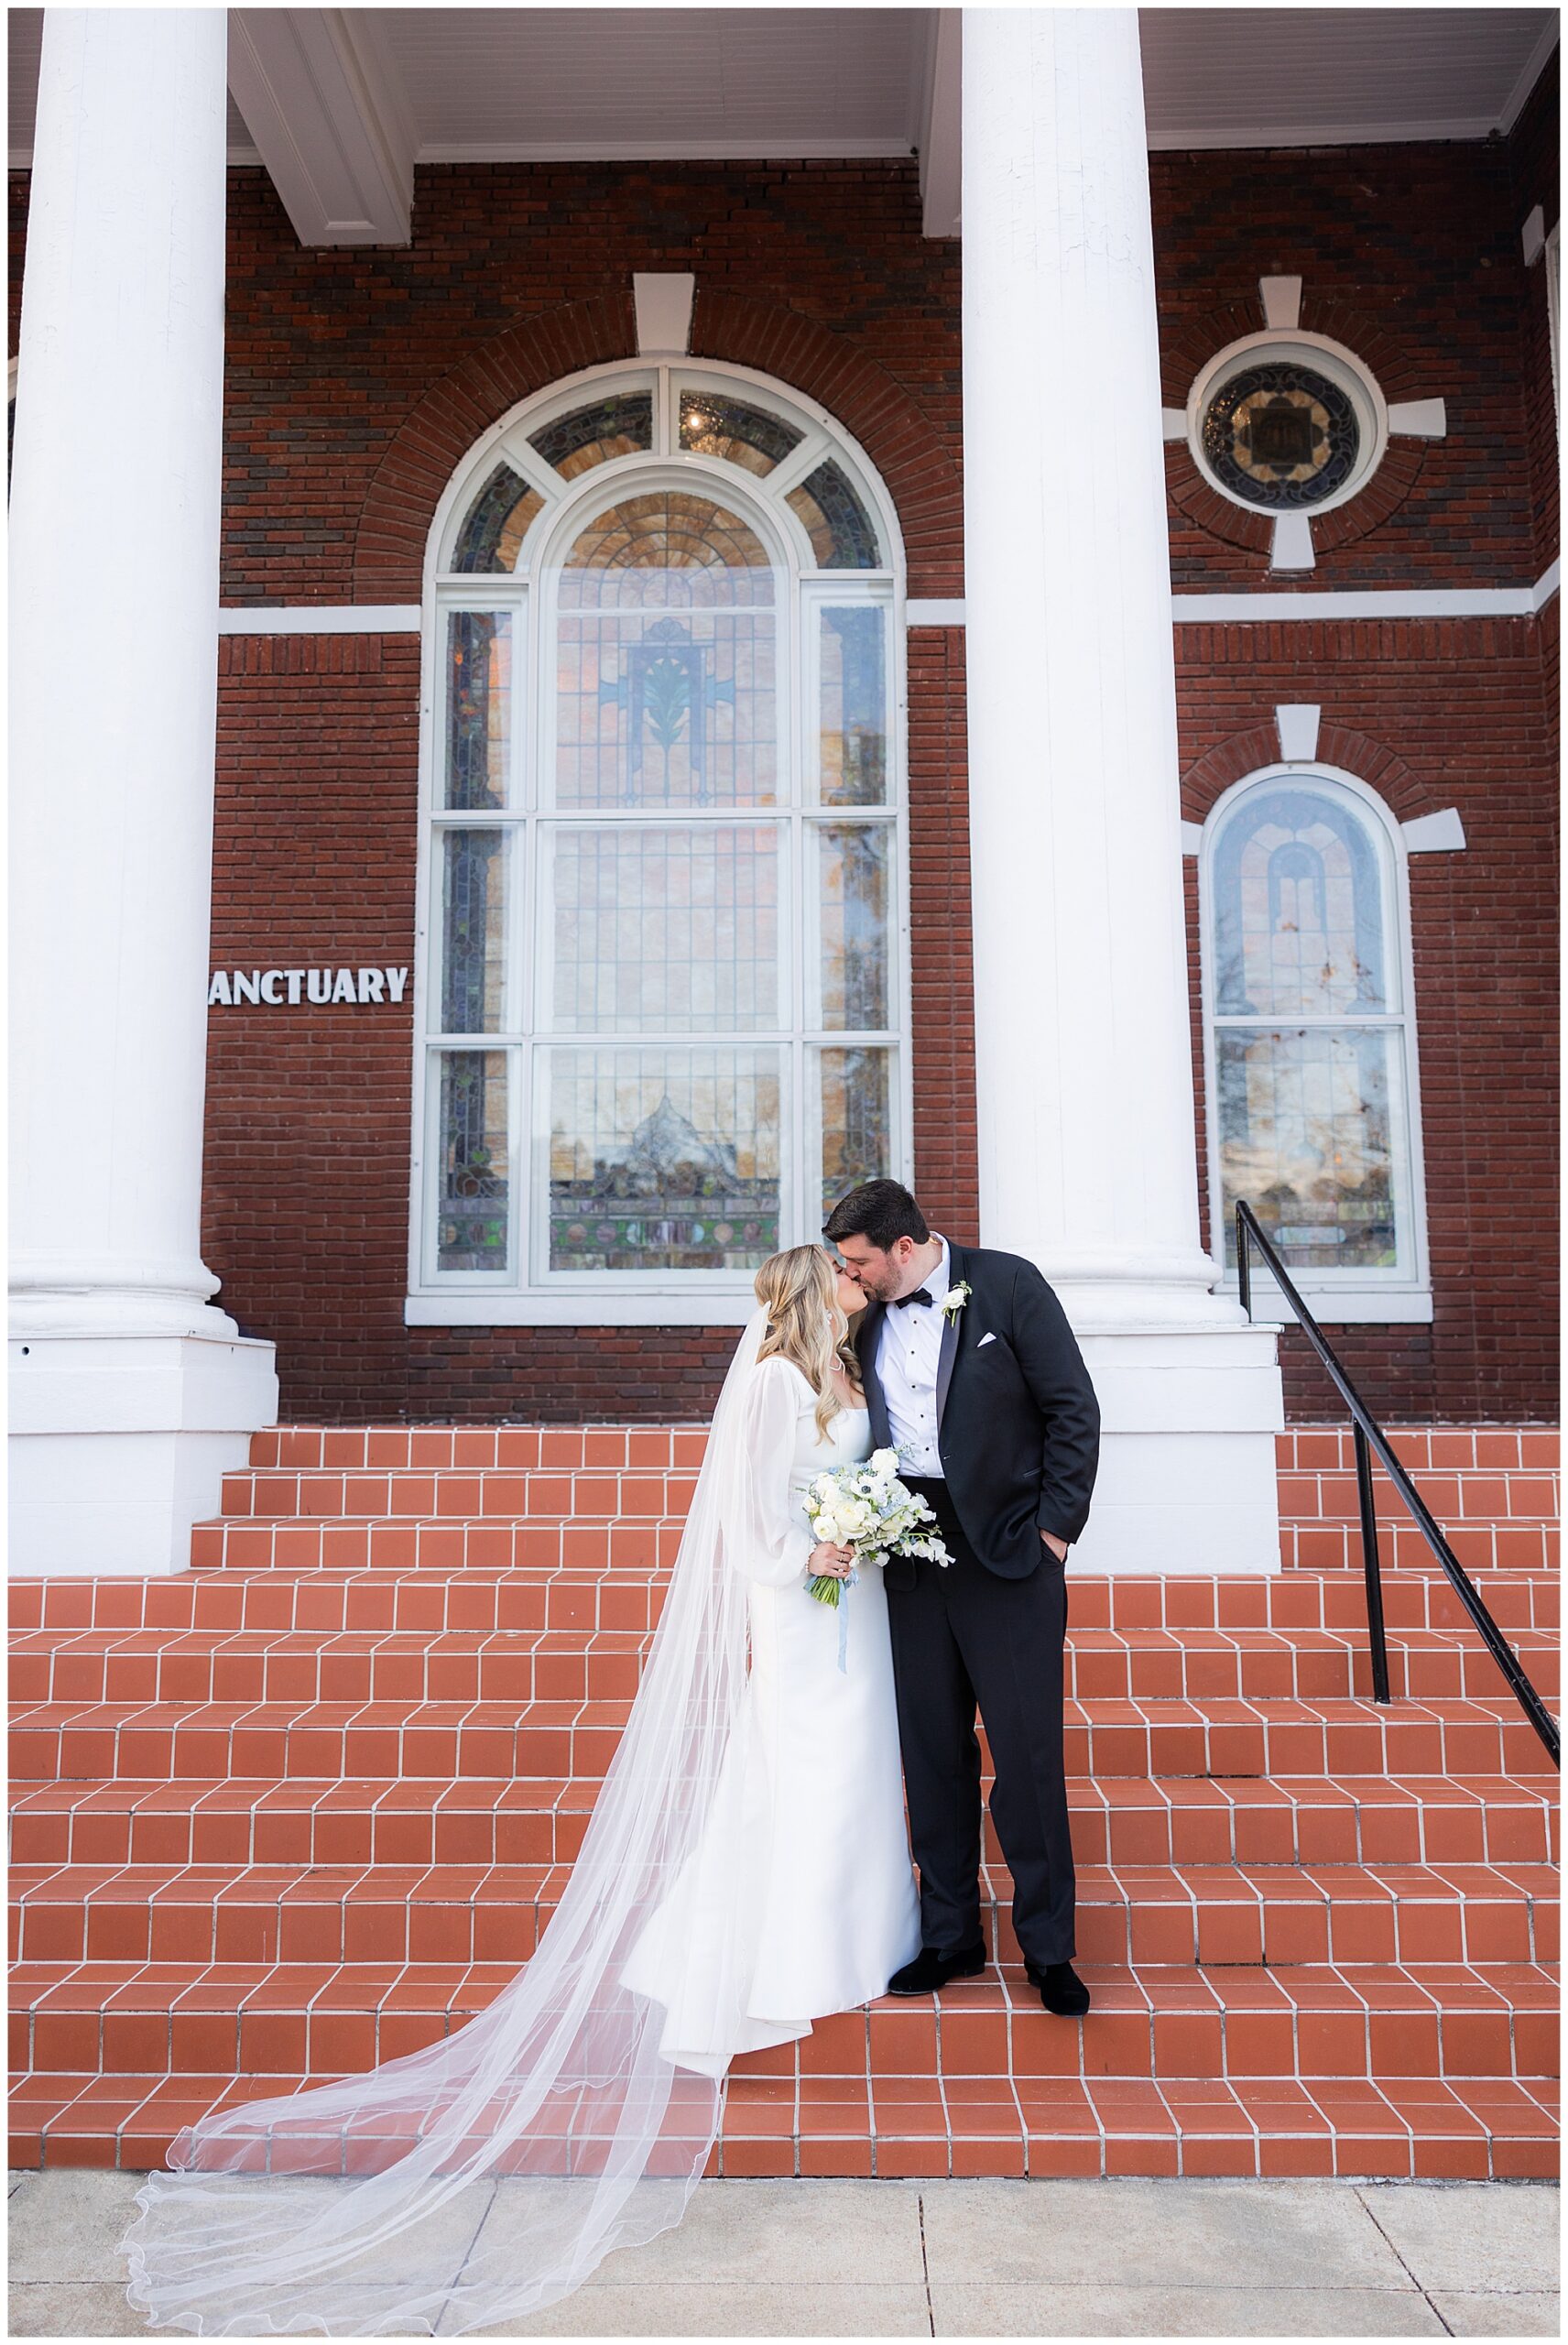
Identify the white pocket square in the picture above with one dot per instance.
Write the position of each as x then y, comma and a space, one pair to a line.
983, 1341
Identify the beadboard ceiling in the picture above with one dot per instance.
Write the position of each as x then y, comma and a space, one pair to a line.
500, 83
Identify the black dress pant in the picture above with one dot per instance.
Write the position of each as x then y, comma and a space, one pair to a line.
963, 1637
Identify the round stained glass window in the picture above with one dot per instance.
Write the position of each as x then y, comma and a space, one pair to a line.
1282, 435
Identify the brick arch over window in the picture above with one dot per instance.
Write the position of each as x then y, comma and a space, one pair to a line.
915, 464
916, 467
1371, 761
435, 436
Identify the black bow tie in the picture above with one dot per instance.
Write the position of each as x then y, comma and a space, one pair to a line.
921, 1294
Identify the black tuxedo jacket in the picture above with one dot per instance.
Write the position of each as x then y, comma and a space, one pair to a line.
1018, 1422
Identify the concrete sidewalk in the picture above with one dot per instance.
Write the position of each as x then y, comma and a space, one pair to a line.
965, 2259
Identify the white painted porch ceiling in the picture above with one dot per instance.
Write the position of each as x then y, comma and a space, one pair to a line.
590, 82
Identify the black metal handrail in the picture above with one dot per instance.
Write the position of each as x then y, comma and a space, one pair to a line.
1370, 1437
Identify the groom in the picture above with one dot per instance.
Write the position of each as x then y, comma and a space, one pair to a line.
990, 1405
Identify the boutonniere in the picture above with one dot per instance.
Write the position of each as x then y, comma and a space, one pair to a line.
953, 1300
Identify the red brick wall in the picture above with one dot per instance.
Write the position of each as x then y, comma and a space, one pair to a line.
1431, 714
355, 381
946, 1167
307, 1169
1535, 170
330, 353
1410, 256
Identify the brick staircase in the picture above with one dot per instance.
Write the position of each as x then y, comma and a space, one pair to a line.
308, 1805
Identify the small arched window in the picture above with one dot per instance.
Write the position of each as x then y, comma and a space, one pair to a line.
1310, 1039
663, 1007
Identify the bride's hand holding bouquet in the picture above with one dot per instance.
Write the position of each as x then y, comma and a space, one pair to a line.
865, 1514
829, 1562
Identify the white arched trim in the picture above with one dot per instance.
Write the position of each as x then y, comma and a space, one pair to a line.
532, 1293
1403, 1290
823, 435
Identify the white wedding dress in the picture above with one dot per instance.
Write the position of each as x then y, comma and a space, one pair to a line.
745, 1869
799, 1898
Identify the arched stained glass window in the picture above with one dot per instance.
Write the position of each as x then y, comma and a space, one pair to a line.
835, 520
1310, 1041
593, 435
666, 678
497, 523
711, 425
663, 1003
1299, 914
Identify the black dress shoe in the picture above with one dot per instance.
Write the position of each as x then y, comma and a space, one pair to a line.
1060, 1988
931, 1970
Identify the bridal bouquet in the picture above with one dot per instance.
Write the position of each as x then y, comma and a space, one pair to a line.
866, 1508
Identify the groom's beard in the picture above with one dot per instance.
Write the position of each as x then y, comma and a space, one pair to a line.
886, 1286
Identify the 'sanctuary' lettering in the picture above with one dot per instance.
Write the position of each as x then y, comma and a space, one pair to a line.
272, 988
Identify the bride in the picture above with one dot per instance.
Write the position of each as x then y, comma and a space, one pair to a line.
745, 1871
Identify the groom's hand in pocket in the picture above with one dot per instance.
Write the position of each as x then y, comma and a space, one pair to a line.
1058, 1548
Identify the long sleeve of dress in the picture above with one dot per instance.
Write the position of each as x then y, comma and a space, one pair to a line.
767, 1536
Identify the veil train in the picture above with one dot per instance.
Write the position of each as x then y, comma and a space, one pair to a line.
485, 2177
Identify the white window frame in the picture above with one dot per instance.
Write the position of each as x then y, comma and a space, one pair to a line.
1403, 1293
1293, 346
641, 1298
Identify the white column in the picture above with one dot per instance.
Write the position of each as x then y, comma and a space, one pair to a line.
1084, 1068
130, 1389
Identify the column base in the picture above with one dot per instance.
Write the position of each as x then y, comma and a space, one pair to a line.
1188, 1480
1132, 1299
119, 1444
83, 1296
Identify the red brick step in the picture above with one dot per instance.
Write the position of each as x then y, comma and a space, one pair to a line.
569, 1662
1144, 1914
627, 1595
1399, 2127
309, 1805
89, 1741
1178, 1819
1166, 2021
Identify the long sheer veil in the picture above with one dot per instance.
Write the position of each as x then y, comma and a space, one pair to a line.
484, 2177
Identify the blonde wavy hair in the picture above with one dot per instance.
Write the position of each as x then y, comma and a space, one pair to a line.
799, 1290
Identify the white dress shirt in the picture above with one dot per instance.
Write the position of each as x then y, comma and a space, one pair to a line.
908, 1345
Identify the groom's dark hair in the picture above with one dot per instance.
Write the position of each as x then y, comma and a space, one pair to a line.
883, 1211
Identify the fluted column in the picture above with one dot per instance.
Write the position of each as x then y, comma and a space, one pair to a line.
115, 516
1085, 1067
